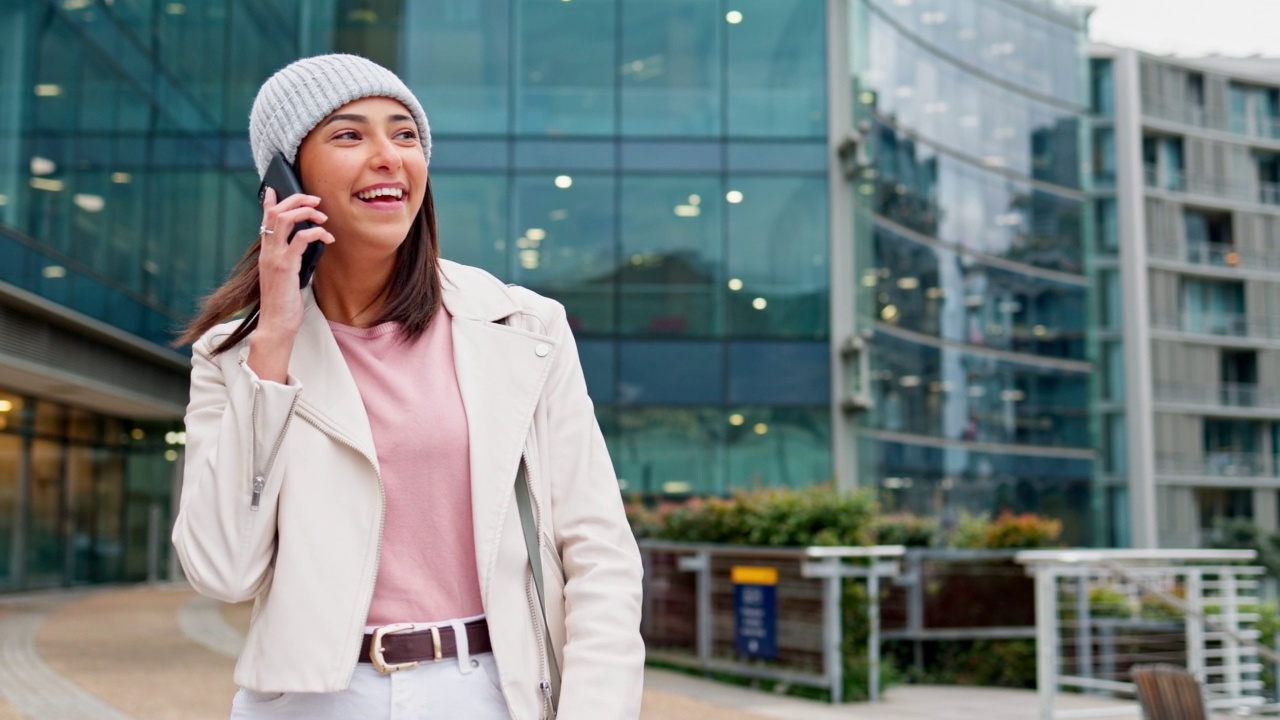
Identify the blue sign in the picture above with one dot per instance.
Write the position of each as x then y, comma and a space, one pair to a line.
755, 618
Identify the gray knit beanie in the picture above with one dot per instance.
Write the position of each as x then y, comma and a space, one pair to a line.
294, 100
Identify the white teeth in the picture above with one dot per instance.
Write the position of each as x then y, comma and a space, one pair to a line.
396, 193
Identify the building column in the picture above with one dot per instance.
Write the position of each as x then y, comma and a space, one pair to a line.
1131, 212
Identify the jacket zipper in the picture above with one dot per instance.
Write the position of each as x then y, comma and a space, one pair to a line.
538, 625
260, 478
382, 508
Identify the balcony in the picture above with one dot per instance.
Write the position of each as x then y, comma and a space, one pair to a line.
1218, 255
1188, 114
1175, 180
1224, 325
1217, 396
1216, 464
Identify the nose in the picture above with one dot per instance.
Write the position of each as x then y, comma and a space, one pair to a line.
384, 155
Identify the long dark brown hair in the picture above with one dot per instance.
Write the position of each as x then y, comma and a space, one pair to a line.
412, 292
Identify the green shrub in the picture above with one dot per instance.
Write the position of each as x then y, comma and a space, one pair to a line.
1106, 602
774, 518
906, 529
1007, 532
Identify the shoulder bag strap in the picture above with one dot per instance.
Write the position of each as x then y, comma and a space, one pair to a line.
525, 505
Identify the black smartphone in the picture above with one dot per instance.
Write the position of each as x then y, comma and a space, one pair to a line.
281, 178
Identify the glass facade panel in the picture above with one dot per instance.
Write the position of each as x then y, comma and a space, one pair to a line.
670, 274
777, 257
44, 557
672, 451
565, 245
671, 67
779, 373
671, 373
565, 76
471, 218
776, 68
472, 39
11, 467
779, 447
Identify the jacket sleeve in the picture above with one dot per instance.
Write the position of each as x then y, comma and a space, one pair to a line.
603, 652
225, 533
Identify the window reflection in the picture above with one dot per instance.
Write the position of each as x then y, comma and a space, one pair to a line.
666, 451
564, 244
953, 394
471, 214
472, 40
778, 447
670, 274
957, 297
777, 69
671, 60
565, 67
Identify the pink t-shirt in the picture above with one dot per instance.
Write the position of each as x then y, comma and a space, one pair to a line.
410, 391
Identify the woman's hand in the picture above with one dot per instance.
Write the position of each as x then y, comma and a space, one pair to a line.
279, 262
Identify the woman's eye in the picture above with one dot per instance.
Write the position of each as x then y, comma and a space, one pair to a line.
347, 135
411, 135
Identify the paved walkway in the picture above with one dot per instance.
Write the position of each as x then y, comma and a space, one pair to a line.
166, 653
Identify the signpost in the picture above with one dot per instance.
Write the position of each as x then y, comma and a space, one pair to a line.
755, 611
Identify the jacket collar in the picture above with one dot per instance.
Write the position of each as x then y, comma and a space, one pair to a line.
474, 294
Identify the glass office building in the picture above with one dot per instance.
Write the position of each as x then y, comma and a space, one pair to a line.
971, 257
673, 171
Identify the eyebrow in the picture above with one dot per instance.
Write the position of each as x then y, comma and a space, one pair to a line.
364, 120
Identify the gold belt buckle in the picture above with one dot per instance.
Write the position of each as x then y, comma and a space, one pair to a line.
375, 647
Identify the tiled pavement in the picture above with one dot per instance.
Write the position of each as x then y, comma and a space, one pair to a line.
165, 653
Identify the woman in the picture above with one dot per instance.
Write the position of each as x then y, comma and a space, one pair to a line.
353, 449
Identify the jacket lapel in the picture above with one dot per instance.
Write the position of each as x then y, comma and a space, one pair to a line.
328, 389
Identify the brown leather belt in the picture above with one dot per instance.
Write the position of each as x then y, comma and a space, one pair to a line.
398, 647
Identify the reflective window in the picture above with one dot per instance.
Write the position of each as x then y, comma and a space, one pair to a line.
779, 373
777, 264
946, 393
565, 67
940, 292
672, 451
778, 447
777, 68
599, 367
472, 38
670, 274
671, 373
1102, 100
564, 244
671, 60
10, 467
471, 218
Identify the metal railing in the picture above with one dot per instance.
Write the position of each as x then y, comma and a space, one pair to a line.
1220, 324
689, 611
1220, 255
1219, 395
1216, 464
1100, 612
1227, 188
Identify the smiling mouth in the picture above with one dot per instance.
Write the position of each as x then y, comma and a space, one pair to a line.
381, 196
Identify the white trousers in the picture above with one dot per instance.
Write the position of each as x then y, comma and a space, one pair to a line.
462, 687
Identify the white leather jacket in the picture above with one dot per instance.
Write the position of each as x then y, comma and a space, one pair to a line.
282, 502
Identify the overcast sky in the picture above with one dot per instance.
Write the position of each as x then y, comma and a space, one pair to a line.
1189, 27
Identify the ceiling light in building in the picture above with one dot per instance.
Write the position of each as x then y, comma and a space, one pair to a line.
1010, 306
1012, 395
74, 5
889, 313
867, 189
995, 161
170, 455
121, 178
362, 16
870, 279
529, 259
536, 234
564, 182
736, 419
688, 211
1008, 219
733, 17
866, 97
761, 428
759, 303
977, 391
695, 199
735, 284
675, 487
176, 9
902, 3
137, 433
524, 243
6, 405
46, 184
935, 293
558, 215
908, 283
995, 330
48, 90
733, 196
42, 166
973, 300
933, 18
1039, 331
88, 202
909, 381
4, 200
896, 483
904, 91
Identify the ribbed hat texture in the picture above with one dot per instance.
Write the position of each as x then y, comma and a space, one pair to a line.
294, 100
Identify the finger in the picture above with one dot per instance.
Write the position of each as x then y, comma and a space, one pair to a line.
308, 236
272, 210
297, 200
290, 218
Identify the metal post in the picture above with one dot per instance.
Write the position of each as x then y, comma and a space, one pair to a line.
832, 658
915, 608
1084, 633
1195, 623
1231, 619
873, 639
1046, 638
153, 543
700, 562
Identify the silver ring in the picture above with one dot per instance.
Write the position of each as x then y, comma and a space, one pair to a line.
264, 230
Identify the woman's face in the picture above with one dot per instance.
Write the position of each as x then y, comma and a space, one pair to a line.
365, 163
